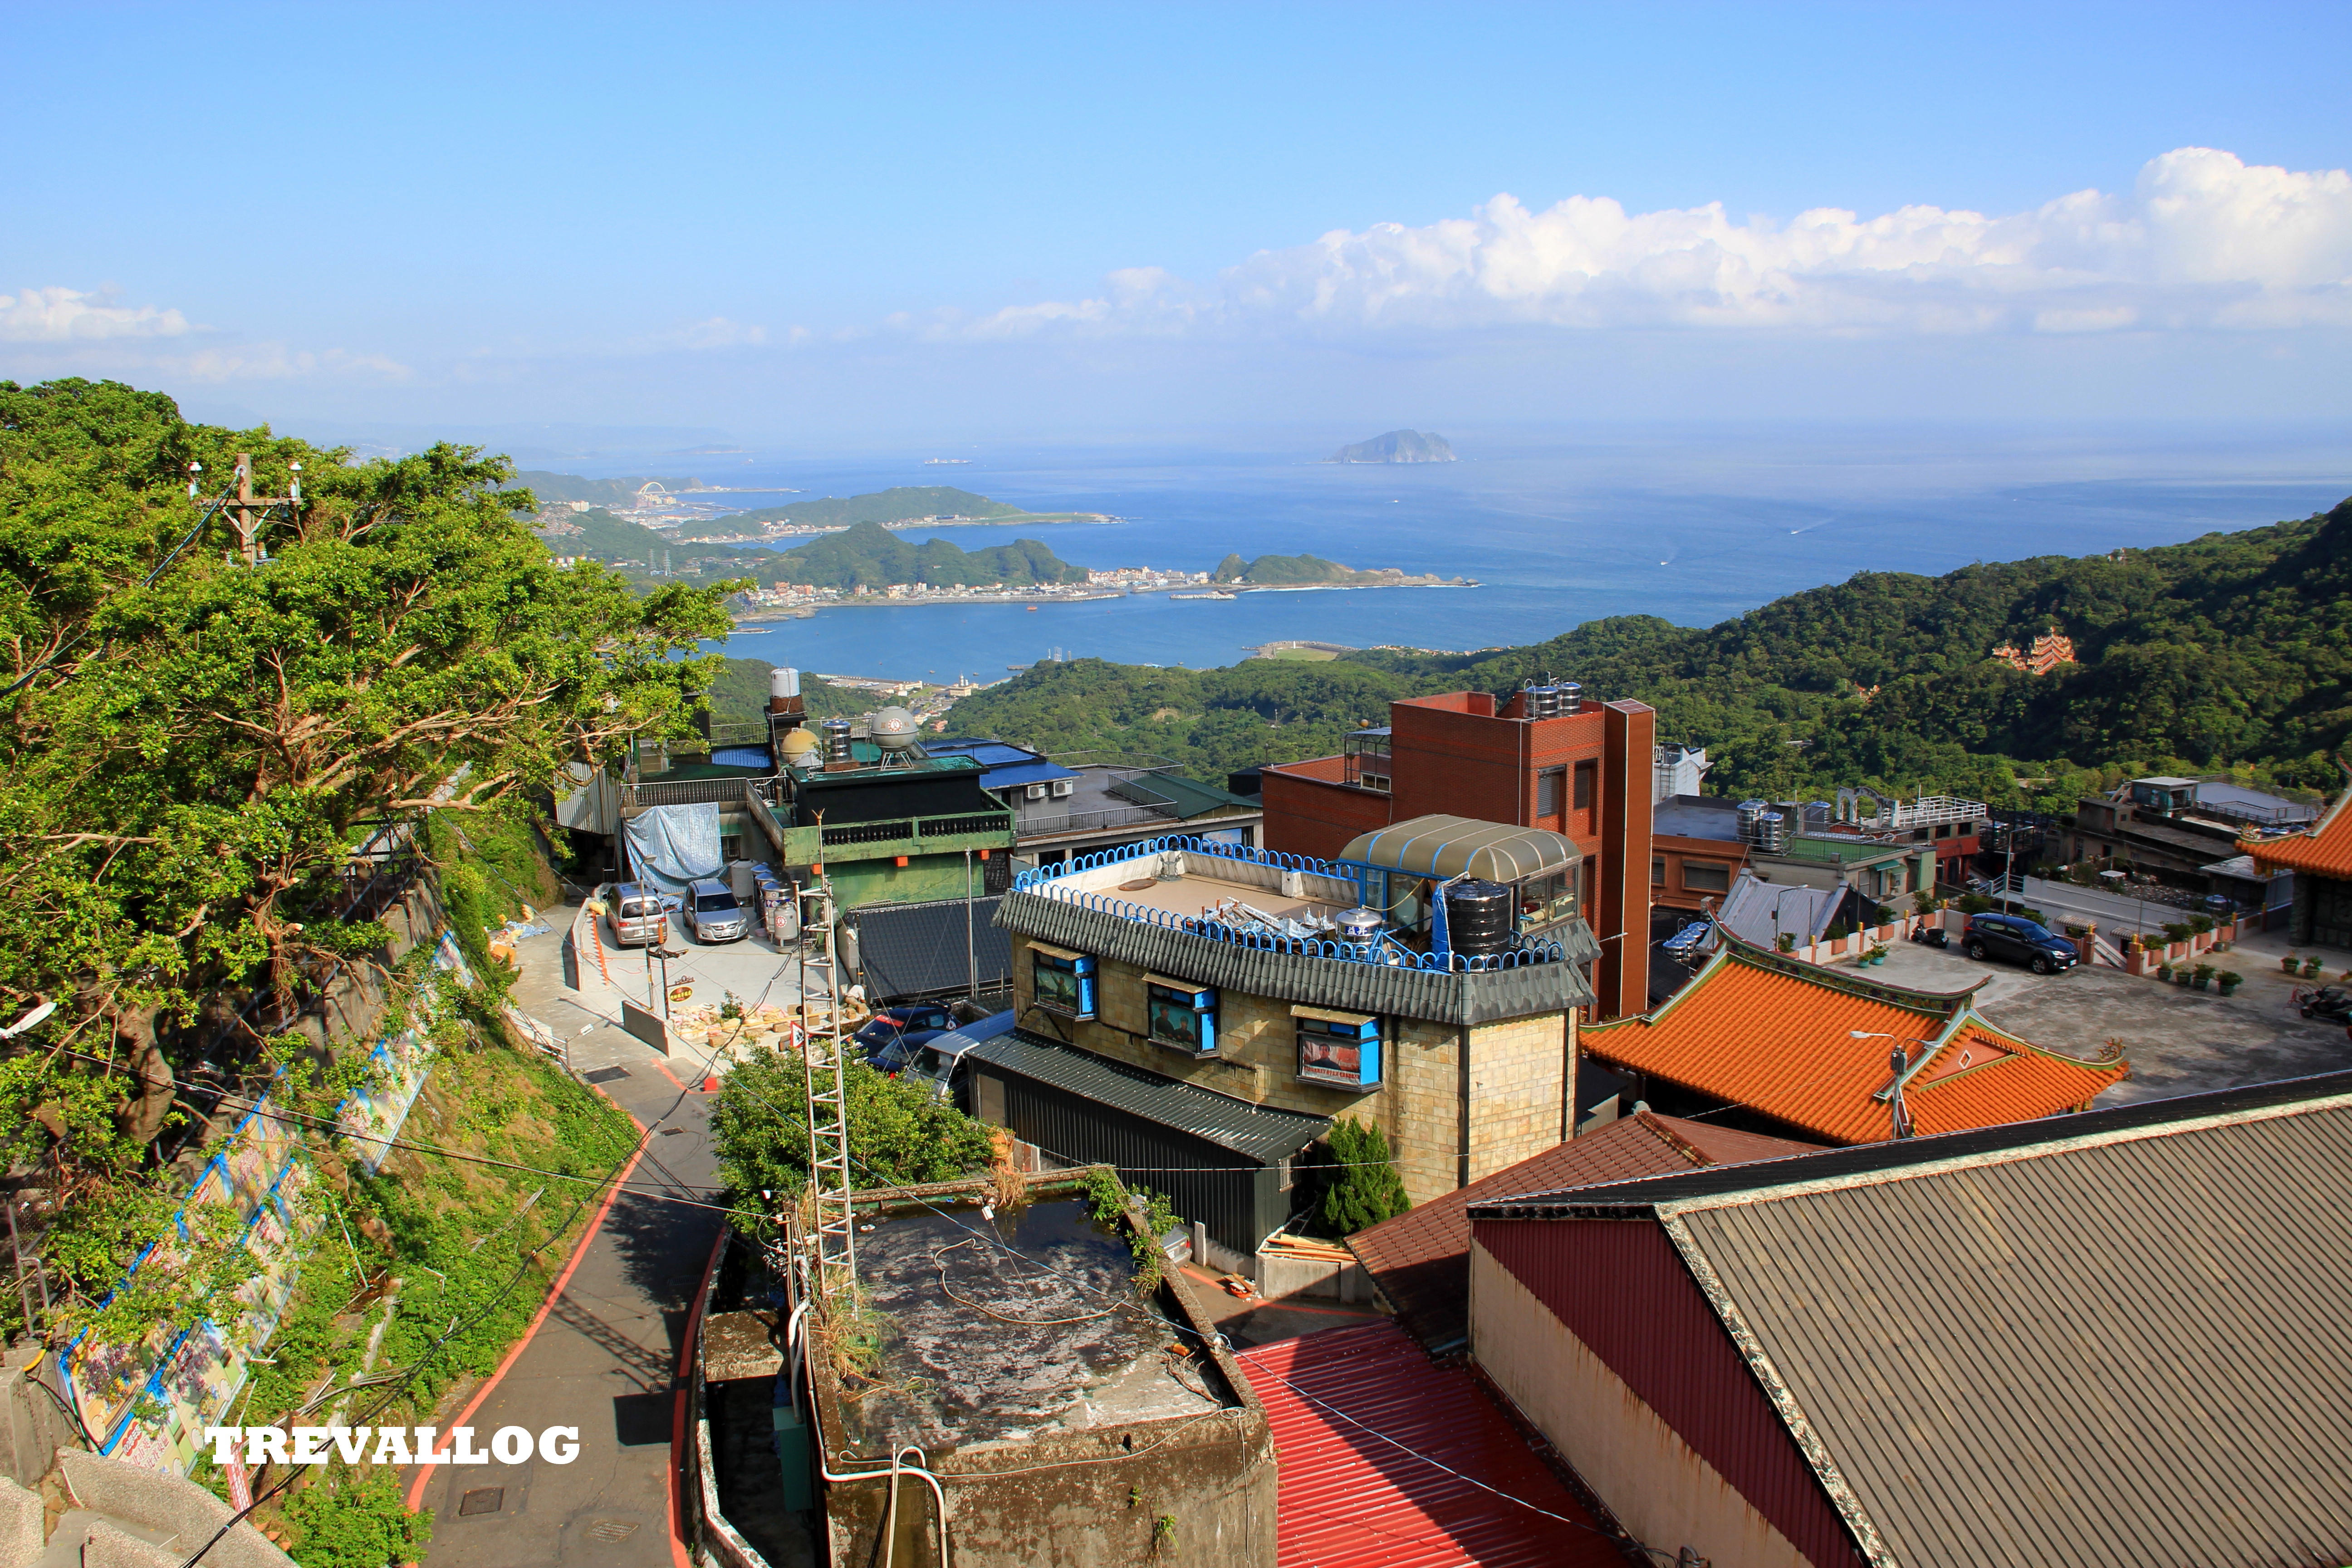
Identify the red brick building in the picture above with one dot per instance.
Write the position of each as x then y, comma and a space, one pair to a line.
1587, 773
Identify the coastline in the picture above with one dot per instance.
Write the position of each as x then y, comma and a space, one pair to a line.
1235, 590
817, 530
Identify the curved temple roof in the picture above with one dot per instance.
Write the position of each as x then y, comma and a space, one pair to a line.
1442, 846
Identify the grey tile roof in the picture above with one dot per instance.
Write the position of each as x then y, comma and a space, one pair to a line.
1256, 1131
2114, 1340
917, 950
1460, 998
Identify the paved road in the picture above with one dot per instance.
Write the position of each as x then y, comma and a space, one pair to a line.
605, 1355
2115, 913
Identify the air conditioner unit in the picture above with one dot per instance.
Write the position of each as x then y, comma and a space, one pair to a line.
1064, 788
1034, 791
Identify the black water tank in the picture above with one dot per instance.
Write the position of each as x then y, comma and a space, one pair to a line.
1482, 918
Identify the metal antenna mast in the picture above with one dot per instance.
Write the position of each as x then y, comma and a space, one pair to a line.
822, 1063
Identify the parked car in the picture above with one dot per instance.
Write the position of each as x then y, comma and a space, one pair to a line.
713, 914
939, 1061
636, 914
2019, 941
891, 1035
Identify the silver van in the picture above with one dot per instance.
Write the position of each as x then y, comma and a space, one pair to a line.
637, 914
712, 913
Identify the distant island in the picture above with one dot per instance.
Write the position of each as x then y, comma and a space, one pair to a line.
900, 506
1314, 572
1396, 447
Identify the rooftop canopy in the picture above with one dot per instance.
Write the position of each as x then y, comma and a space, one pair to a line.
1441, 845
2324, 849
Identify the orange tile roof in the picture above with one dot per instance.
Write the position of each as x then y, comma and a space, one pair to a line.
2324, 849
1775, 1033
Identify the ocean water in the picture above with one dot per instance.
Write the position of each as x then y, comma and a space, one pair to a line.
1693, 525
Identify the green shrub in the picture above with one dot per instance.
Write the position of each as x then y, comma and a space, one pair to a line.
2176, 931
2200, 924
352, 1519
1365, 1188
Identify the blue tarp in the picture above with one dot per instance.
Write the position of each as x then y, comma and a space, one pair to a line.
670, 846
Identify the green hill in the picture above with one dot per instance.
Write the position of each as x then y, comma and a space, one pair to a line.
547, 487
1279, 570
868, 555
606, 537
893, 505
2234, 649
1396, 447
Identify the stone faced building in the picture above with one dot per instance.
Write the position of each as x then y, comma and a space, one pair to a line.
1165, 1027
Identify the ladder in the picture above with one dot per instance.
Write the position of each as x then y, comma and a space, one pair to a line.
823, 1060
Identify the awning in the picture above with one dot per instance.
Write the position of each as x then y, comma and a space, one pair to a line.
1458, 846
1254, 1132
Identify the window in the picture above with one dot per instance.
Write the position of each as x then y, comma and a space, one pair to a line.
1657, 873
1706, 876
1543, 900
1584, 771
1181, 1014
1548, 793
1063, 982
1342, 1049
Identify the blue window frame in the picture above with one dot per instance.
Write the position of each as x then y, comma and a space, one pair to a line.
1341, 1051
1063, 982
1182, 1015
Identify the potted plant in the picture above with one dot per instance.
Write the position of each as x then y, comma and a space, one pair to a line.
1786, 942
2288, 963
2164, 970
1877, 954
2202, 976
2229, 980
2311, 967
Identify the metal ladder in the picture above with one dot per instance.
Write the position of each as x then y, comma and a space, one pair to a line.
822, 1059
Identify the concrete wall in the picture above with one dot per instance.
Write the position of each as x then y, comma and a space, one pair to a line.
1662, 1491
1446, 1129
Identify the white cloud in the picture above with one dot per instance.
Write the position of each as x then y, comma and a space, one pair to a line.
276, 362
69, 315
718, 332
2201, 240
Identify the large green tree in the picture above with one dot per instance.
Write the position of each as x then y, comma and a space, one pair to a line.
194, 745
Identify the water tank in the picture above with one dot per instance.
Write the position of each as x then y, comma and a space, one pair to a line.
797, 747
893, 730
1749, 812
783, 683
1571, 698
1771, 832
836, 741
1360, 926
741, 879
1540, 701
1482, 918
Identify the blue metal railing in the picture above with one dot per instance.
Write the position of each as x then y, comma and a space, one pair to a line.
1384, 954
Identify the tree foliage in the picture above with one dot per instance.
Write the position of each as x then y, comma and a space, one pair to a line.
1363, 1187
195, 746
899, 1134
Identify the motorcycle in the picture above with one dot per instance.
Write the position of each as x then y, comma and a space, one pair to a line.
1934, 936
2328, 1003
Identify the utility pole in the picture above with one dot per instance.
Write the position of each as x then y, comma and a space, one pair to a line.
250, 521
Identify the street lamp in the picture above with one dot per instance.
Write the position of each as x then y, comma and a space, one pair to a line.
1900, 1060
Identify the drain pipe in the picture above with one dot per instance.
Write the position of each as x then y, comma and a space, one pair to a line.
796, 1347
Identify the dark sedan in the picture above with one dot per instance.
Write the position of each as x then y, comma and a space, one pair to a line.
2019, 941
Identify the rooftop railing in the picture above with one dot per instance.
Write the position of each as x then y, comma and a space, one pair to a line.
1050, 882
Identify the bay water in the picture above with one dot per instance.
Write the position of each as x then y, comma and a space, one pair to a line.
1692, 524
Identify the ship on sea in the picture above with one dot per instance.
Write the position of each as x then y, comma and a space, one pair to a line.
945, 462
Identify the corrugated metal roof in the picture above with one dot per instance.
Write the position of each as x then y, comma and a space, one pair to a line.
2324, 849
1441, 845
2126, 1355
1261, 1133
1389, 1462
915, 950
1758, 1029
1421, 1258
1759, 911
1014, 775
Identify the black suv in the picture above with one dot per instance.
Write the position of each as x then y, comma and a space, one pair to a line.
2019, 940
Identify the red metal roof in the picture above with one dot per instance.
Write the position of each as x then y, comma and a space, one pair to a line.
1388, 1461
1421, 1258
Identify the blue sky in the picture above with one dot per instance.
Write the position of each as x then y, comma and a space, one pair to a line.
874, 222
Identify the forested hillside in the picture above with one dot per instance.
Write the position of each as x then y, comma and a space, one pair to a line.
893, 505
870, 556
2231, 649
546, 488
